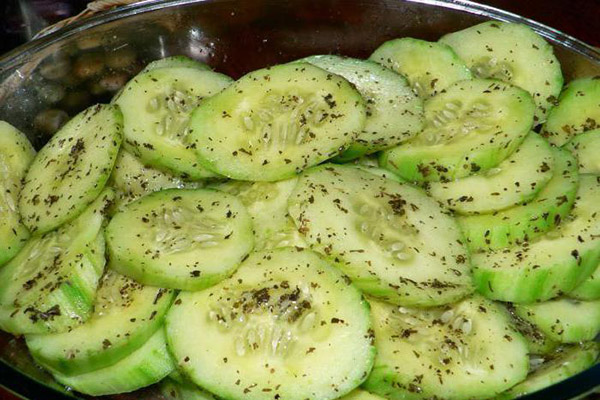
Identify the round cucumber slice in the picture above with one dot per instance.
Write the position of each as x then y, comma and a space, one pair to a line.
394, 112
471, 127
271, 329
173, 390
578, 111
525, 222
275, 122
359, 394
589, 289
515, 180
468, 350
391, 239
176, 62
71, 169
156, 109
537, 342
180, 238
429, 67
584, 147
551, 265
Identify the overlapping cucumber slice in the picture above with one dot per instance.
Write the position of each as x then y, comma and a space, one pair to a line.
173, 390
585, 148
176, 62
589, 289
537, 342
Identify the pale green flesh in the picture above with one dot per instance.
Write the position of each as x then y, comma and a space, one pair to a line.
525, 222
273, 328
394, 112
174, 390
585, 147
156, 110
273, 123
515, 180
176, 62
71, 170
513, 53
145, 366
468, 350
578, 111
180, 238
471, 127
359, 394
537, 342
551, 265
589, 289
429, 67
392, 240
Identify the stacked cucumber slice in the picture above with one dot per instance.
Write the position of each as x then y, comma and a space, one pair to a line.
402, 227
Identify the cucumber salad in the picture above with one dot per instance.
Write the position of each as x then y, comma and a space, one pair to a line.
424, 224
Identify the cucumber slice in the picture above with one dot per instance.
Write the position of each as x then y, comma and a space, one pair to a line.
180, 238
394, 112
172, 390
513, 53
71, 169
51, 284
125, 315
359, 394
515, 180
391, 239
589, 289
275, 122
565, 363
468, 350
537, 342
16, 153
471, 127
144, 367
429, 67
176, 62
271, 329
526, 222
578, 111
552, 265
564, 320
156, 109
585, 146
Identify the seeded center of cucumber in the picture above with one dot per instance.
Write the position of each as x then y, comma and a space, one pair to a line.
456, 120
115, 291
174, 108
491, 67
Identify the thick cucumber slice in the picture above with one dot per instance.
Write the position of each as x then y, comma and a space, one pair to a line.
394, 112
51, 284
589, 289
16, 153
180, 238
429, 67
564, 320
145, 366
578, 111
513, 53
72, 168
585, 147
271, 329
359, 394
561, 365
391, 239
172, 390
125, 315
275, 122
552, 265
468, 350
525, 222
515, 180
537, 342
471, 127
156, 109
176, 62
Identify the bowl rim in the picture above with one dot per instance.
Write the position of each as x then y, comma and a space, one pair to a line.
12, 378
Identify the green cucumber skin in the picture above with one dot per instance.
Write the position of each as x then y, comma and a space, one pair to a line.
585, 146
589, 289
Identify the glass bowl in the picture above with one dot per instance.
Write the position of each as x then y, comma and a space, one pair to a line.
47, 80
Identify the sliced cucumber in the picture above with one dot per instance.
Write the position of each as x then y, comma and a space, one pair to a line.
180, 238
394, 112
71, 169
51, 284
564, 320
275, 122
585, 146
566, 362
391, 239
537, 342
16, 153
125, 315
468, 350
176, 62
515, 180
156, 109
552, 265
172, 390
513, 53
429, 67
578, 111
145, 366
359, 394
471, 127
271, 329
522, 223
589, 289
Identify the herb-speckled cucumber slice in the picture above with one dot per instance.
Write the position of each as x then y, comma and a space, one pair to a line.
589, 289
585, 147
176, 62
173, 390
537, 342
